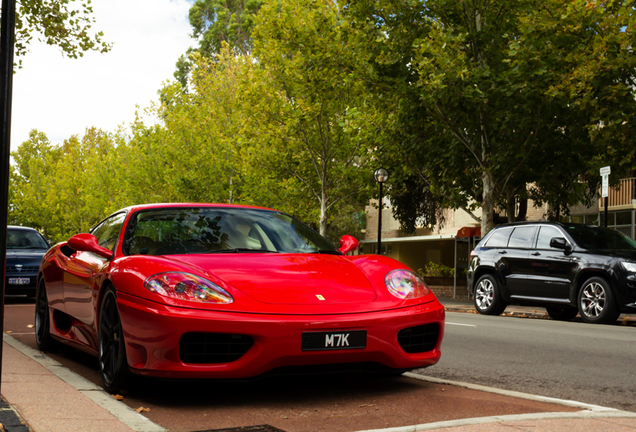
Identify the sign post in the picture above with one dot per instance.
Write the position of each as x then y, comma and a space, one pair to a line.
605, 172
7, 42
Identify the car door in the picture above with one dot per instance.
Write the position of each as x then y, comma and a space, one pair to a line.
516, 259
551, 270
80, 286
495, 252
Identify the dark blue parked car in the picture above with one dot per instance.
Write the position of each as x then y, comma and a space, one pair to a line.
25, 249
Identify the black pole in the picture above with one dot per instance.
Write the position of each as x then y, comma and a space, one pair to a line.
380, 222
605, 212
7, 40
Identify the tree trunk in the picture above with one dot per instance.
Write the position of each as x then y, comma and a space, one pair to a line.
323, 215
523, 209
487, 203
510, 204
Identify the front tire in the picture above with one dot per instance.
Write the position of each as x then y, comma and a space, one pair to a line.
43, 338
486, 296
110, 341
596, 302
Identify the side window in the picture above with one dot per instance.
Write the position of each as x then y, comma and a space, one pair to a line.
499, 237
547, 233
522, 237
108, 231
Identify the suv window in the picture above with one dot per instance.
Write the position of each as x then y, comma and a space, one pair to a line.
547, 233
108, 231
499, 237
522, 237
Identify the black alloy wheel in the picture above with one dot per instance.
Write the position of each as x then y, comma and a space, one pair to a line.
596, 302
486, 296
110, 340
561, 313
43, 337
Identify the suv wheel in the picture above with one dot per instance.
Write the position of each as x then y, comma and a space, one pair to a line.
486, 296
596, 302
561, 313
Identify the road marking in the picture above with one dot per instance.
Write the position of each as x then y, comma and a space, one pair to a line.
465, 325
16, 333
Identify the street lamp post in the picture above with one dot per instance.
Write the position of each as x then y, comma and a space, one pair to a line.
381, 176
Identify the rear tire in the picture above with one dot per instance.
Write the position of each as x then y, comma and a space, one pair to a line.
596, 302
43, 338
561, 313
113, 366
486, 296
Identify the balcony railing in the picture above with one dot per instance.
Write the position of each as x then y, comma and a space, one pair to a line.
623, 196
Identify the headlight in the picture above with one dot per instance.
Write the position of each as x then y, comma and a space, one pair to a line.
405, 284
629, 266
186, 286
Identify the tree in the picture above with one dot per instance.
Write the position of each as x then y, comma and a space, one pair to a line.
302, 117
218, 22
65, 23
64, 190
499, 86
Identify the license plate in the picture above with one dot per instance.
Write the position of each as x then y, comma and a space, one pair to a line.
340, 340
19, 281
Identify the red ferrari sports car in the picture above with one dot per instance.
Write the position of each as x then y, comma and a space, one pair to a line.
228, 291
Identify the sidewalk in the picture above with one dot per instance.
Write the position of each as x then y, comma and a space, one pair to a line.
43, 396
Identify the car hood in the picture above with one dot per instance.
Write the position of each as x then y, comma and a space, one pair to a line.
625, 254
24, 256
288, 278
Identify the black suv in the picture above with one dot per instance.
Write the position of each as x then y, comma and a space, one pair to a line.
566, 268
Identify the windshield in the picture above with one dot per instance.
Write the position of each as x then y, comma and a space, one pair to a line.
218, 230
598, 238
25, 239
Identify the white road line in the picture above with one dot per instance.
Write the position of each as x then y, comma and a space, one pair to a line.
465, 325
16, 333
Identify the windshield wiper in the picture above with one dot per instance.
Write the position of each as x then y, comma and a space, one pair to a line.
237, 250
328, 252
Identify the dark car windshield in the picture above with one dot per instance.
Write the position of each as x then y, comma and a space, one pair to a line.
25, 239
219, 230
598, 238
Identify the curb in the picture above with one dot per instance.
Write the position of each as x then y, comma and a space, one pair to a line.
121, 411
589, 411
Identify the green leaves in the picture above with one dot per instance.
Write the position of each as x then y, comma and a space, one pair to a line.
65, 23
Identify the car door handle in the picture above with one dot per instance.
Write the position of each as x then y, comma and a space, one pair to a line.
503, 252
536, 254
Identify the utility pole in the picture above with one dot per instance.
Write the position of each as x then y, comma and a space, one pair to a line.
7, 42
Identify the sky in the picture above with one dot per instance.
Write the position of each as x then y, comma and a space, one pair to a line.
62, 97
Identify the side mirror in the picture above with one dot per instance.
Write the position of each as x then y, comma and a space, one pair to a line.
348, 243
560, 243
88, 243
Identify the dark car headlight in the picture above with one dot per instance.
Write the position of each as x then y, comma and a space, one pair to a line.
186, 286
405, 284
629, 266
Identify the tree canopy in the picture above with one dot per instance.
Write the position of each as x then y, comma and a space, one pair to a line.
65, 23
478, 92
291, 104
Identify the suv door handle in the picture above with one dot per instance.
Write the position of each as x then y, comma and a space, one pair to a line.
536, 254
503, 252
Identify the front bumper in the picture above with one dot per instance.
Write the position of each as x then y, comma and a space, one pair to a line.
152, 333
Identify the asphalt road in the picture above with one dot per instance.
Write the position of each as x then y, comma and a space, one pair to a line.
568, 360
338, 403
